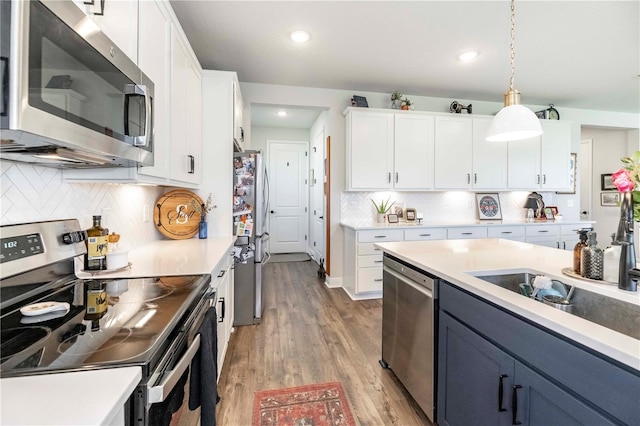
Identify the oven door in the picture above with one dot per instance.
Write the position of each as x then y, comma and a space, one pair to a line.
161, 398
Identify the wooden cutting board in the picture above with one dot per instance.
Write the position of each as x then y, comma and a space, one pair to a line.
175, 216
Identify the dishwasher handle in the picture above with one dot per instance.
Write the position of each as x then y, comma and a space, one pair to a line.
410, 283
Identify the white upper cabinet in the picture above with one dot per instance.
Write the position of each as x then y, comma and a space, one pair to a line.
238, 113
369, 150
153, 60
118, 19
453, 152
413, 152
185, 112
542, 162
489, 158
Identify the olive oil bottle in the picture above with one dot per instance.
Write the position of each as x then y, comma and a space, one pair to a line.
97, 244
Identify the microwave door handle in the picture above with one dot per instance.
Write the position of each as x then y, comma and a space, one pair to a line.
160, 392
138, 90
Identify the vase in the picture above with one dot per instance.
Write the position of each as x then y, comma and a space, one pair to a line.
405, 107
381, 217
202, 228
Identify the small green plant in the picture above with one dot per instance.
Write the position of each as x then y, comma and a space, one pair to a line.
407, 102
396, 95
384, 206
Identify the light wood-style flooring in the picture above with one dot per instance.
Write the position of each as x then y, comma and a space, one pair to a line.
312, 334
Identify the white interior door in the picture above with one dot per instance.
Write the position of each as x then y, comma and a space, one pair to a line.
316, 182
288, 188
585, 174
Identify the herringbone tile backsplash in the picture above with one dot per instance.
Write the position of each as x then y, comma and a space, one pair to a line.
33, 194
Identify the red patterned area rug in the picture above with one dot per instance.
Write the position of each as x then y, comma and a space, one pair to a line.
321, 404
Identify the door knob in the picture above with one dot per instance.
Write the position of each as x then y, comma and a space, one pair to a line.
585, 212
272, 212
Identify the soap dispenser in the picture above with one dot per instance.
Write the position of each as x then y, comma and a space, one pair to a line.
612, 261
577, 250
592, 259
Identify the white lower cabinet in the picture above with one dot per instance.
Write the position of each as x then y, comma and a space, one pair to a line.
543, 235
515, 233
222, 280
423, 234
466, 232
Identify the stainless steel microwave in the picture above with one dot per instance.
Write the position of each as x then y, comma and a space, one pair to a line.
70, 97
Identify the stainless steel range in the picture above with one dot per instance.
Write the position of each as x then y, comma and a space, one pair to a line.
147, 322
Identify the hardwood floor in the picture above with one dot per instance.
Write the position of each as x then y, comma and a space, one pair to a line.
312, 334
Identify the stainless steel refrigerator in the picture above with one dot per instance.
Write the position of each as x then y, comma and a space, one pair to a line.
250, 204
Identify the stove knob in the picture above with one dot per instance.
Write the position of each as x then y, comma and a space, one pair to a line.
74, 237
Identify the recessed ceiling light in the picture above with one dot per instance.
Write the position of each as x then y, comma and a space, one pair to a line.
300, 36
281, 113
468, 56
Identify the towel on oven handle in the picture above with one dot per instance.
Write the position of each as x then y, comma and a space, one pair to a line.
203, 388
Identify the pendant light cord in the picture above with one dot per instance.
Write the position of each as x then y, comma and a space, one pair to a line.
512, 45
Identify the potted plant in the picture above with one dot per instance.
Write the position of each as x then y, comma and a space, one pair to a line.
406, 104
382, 208
396, 99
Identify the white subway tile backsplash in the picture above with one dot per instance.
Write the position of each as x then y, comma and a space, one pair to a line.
33, 194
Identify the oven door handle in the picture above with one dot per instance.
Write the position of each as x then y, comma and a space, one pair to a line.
160, 392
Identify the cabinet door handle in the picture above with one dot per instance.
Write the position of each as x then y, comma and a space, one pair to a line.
222, 306
389, 177
396, 177
192, 164
544, 179
538, 179
475, 178
468, 177
564, 245
221, 274
501, 392
558, 244
514, 406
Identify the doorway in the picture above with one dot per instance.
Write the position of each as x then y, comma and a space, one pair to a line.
289, 196
317, 179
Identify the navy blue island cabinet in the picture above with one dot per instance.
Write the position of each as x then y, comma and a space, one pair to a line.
496, 368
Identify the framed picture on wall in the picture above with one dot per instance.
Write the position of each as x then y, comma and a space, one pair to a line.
610, 199
606, 183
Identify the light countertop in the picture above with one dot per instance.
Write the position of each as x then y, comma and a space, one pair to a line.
74, 398
192, 256
457, 224
78, 398
454, 260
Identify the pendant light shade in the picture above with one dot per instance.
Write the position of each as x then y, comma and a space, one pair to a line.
514, 122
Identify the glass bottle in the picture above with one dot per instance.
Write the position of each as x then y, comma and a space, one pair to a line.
577, 251
592, 259
95, 302
97, 244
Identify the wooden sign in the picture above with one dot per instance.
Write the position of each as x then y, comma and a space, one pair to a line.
175, 215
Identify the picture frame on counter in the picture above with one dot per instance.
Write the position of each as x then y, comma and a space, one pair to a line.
410, 214
606, 182
548, 213
392, 218
610, 199
398, 210
488, 206
554, 209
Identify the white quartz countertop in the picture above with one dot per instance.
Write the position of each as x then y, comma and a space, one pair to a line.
170, 257
456, 224
456, 260
78, 398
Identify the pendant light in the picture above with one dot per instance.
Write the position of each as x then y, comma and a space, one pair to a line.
514, 121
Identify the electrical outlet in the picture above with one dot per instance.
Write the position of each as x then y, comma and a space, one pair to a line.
569, 202
145, 213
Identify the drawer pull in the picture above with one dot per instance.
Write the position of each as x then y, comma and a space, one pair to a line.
544, 230
376, 249
507, 232
467, 233
377, 261
380, 236
378, 279
425, 235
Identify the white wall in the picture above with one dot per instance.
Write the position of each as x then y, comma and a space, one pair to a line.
260, 136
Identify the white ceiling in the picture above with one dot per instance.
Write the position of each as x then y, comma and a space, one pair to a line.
577, 54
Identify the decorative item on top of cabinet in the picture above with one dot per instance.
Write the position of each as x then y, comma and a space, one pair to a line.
407, 104
457, 108
396, 99
359, 101
548, 114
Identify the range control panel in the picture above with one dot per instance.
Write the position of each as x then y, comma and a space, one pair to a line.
20, 246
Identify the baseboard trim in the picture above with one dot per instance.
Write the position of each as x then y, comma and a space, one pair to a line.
333, 282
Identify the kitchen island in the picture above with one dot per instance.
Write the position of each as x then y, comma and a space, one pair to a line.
484, 327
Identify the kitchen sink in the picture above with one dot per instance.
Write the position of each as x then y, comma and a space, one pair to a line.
609, 312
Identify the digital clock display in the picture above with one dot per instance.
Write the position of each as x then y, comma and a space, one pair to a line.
20, 247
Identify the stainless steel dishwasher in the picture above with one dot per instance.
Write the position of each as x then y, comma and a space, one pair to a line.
409, 329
